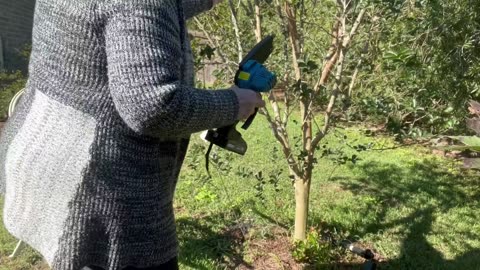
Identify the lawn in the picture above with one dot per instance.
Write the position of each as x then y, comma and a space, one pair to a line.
416, 210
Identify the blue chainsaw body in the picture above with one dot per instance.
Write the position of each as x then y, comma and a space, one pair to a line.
253, 75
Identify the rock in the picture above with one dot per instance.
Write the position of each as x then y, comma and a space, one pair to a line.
438, 152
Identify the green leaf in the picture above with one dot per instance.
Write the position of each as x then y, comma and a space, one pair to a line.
208, 52
448, 110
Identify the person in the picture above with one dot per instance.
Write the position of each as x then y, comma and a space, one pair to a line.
91, 158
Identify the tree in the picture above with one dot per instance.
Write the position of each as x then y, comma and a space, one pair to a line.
315, 37
307, 87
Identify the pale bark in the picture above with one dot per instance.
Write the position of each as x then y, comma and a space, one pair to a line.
331, 59
302, 194
236, 29
258, 21
293, 38
354, 79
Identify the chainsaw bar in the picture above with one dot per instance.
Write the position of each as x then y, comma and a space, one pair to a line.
260, 53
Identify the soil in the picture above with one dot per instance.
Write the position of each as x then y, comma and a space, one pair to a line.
275, 253
271, 254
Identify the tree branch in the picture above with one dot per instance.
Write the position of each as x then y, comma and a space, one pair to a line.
353, 31
294, 38
338, 76
282, 137
236, 29
354, 78
217, 51
331, 58
258, 21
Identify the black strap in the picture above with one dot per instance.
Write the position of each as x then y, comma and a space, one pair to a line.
207, 157
250, 120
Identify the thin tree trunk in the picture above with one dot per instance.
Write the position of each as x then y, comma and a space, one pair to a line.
258, 21
294, 38
353, 80
302, 194
237, 31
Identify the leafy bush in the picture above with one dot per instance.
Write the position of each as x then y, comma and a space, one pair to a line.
420, 65
313, 250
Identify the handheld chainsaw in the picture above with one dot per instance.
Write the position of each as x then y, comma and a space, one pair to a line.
251, 74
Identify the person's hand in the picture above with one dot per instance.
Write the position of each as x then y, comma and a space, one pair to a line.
248, 100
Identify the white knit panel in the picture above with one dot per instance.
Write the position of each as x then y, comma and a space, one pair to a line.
46, 161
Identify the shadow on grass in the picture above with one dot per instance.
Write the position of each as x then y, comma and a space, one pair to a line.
270, 219
426, 191
411, 201
201, 245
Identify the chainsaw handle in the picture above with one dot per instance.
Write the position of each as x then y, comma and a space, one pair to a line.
223, 131
253, 75
249, 120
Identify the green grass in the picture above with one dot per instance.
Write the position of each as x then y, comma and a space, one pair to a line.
416, 210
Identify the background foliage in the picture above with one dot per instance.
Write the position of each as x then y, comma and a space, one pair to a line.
421, 65
417, 61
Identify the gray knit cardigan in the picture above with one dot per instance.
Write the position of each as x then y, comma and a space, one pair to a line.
90, 160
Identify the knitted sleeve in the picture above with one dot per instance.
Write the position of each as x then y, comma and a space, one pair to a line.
194, 7
144, 57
